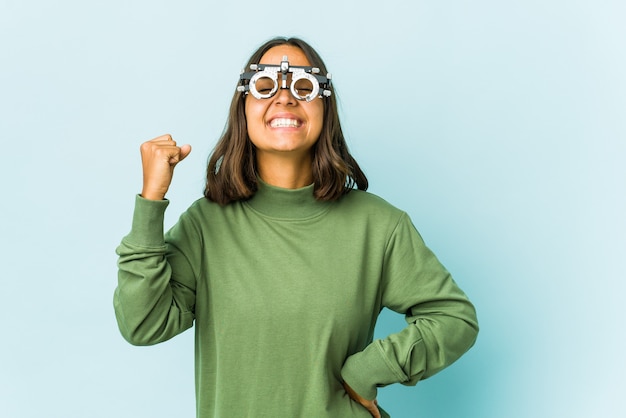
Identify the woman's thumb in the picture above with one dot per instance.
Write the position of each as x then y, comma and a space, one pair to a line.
184, 152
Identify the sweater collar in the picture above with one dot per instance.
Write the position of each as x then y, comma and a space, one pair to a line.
277, 202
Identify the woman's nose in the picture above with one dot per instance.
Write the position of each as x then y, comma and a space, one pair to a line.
284, 96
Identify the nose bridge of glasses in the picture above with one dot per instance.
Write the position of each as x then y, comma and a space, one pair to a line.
284, 87
285, 80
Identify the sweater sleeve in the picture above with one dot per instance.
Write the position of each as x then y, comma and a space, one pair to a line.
442, 323
154, 299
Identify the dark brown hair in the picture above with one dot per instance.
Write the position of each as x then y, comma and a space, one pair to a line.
231, 171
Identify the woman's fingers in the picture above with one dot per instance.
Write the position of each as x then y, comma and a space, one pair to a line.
371, 406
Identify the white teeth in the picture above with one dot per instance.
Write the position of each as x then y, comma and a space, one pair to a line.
284, 123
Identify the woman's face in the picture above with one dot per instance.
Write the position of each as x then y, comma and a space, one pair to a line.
283, 124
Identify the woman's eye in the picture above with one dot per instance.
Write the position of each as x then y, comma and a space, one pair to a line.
264, 85
303, 86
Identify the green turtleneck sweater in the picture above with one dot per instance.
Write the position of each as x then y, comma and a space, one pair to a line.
285, 291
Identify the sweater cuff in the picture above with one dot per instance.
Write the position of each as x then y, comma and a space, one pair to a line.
368, 369
147, 226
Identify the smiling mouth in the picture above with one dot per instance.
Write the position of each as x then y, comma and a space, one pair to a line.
285, 123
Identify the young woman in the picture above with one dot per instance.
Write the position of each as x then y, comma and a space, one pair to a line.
284, 266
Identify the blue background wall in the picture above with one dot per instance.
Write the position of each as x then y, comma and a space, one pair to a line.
499, 126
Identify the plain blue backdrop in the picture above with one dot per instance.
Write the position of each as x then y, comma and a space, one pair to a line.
499, 126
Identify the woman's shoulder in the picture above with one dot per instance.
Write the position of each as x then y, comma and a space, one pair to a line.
367, 202
203, 208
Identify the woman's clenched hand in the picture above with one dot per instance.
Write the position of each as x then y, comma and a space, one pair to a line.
159, 156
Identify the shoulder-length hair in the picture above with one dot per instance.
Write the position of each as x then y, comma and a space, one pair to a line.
232, 172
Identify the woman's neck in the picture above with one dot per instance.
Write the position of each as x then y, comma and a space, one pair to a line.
285, 172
